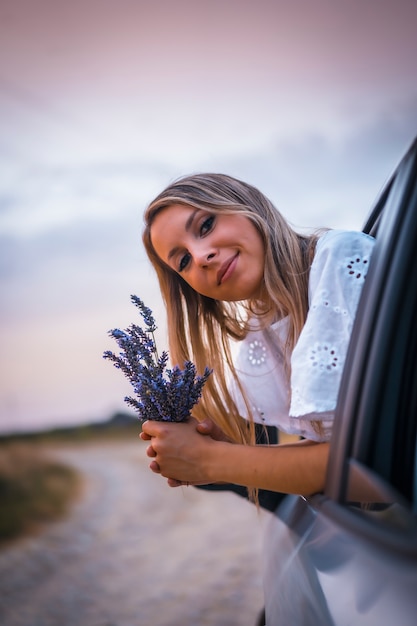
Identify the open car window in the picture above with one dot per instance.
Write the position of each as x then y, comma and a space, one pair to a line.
373, 453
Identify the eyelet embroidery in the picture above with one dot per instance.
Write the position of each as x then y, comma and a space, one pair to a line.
324, 298
324, 357
257, 352
340, 311
258, 412
357, 267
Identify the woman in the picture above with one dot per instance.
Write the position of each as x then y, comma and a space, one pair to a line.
232, 270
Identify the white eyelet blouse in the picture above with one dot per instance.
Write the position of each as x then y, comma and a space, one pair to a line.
336, 278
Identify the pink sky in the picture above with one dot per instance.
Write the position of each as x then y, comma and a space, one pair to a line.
103, 102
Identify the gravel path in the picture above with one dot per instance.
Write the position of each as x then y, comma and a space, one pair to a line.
136, 553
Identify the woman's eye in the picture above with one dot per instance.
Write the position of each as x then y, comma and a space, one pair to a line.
206, 226
184, 262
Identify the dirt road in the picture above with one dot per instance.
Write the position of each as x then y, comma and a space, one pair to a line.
136, 553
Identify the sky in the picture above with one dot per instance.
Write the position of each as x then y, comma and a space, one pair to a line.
105, 102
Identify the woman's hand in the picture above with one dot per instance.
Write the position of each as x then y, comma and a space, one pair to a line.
208, 427
180, 451
205, 427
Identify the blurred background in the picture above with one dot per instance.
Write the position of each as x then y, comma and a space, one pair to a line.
104, 102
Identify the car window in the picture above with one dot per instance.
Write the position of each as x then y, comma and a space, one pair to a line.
373, 463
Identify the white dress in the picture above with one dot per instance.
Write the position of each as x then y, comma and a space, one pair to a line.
336, 278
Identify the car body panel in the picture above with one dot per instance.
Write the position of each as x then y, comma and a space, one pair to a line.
321, 572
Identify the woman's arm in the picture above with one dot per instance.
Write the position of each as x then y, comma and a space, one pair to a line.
181, 453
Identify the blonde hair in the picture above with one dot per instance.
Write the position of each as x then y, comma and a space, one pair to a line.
200, 328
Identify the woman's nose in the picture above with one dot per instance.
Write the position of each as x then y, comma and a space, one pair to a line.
204, 257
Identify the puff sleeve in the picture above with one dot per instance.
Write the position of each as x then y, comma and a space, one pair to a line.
336, 279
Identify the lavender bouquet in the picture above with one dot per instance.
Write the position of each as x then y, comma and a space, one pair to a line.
161, 394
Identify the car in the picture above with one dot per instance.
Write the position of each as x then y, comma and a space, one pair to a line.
348, 556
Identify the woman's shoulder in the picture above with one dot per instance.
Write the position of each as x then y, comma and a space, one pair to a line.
341, 254
344, 239
338, 244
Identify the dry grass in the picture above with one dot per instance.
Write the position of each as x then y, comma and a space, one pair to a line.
34, 489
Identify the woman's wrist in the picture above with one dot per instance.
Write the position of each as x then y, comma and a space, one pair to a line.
215, 465
220, 464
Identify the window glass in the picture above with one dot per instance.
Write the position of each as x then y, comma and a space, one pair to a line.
384, 449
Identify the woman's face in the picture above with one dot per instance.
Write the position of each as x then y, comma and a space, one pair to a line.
220, 256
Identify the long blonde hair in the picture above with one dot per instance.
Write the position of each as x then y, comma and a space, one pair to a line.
200, 328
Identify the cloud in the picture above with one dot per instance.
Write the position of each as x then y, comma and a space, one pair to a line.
318, 179
37, 197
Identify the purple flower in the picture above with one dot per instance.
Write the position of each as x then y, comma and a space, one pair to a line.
160, 393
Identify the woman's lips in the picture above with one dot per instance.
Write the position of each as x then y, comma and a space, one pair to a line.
227, 269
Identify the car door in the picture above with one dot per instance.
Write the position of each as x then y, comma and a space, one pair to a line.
349, 556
